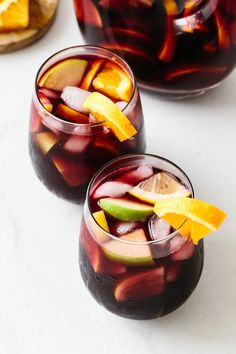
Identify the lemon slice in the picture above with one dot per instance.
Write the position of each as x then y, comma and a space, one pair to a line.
101, 220
114, 82
14, 14
160, 186
103, 109
199, 218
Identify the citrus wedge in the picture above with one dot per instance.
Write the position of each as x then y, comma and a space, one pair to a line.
88, 78
160, 186
114, 82
103, 109
197, 217
14, 14
101, 220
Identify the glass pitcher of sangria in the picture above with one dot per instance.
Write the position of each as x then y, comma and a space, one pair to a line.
178, 48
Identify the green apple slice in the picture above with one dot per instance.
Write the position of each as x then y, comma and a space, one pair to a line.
126, 210
68, 72
134, 254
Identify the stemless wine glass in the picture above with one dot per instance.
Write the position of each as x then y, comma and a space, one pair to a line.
65, 154
130, 270
177, 48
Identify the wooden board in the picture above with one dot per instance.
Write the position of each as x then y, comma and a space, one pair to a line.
42, 14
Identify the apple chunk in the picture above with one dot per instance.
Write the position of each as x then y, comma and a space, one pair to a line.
140, 285
68, 72
126, 210
74, 174
46, 141
136, 253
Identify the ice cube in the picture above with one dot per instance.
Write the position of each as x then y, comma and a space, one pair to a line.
121, 105
74, 98
137, 175
158, 228
77, 144
184, 252
177, 242
111, 189
52, 124
121, 228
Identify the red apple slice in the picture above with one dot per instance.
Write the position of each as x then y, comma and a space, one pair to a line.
45, 102
140, 285
74, 174
96, 258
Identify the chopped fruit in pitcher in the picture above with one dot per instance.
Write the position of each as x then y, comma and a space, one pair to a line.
104, 110
126, 210
136, 255
160, 186
89, 126
175, 47
143, 284
114, 82
163, 262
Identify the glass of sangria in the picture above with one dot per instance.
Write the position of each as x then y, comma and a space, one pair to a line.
178, 48
85, 111
133, 262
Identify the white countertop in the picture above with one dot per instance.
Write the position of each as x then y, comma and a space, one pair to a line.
44, 306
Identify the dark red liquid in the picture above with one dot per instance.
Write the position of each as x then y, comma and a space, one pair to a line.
174, 46
152, 290
65, 158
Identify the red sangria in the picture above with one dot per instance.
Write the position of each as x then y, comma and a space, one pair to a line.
86, 110
178, 48
134, 262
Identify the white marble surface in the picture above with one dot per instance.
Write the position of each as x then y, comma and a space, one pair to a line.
44, 306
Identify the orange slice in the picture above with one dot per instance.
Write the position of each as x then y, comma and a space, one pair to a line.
88, 78
72, 115
114, 82
103, 109
14, 14
199, 218
160, 186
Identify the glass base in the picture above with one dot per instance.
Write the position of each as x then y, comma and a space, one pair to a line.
177, 95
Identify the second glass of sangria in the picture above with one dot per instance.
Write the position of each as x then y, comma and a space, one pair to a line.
86, 110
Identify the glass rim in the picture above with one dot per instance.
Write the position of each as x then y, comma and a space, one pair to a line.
111, 236
89, 47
